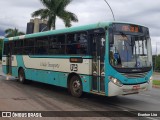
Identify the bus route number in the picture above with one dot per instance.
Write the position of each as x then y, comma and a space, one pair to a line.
74, 67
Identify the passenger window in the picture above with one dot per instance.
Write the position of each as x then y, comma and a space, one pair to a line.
17, 47
29, 47
57, 45
6, 48
77, 43
41, 46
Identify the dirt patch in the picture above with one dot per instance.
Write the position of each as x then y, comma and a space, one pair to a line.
156, 86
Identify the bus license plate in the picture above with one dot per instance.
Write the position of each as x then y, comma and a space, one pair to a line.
136, 87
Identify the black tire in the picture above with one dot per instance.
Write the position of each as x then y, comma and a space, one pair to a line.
75, 86
21, 76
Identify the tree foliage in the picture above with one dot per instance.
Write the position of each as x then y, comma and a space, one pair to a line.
54, 9
13, 32
156, 63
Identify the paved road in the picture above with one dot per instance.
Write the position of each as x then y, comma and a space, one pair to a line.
41, 97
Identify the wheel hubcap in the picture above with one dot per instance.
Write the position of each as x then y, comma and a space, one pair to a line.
76, 86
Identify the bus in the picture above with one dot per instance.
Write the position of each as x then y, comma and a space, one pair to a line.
106, 58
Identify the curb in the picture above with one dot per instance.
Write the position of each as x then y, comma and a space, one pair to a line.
156, 86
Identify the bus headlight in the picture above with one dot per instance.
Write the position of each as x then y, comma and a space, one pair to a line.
150, 79
115, 81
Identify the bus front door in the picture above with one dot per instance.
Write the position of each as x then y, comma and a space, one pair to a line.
98, 74
9, 64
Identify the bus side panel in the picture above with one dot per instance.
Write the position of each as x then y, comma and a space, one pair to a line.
4, 69
4, 65
14, 71
55, 78
14, 65
55, 71
20, 62
29, 74
44, 76
62, 79
51, 78
48, 76
86, 82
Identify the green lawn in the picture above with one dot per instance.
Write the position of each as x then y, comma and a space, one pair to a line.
156, 82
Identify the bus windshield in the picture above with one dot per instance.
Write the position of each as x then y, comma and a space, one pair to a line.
130, 51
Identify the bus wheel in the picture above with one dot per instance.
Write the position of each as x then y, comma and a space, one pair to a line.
76, 86
21, 76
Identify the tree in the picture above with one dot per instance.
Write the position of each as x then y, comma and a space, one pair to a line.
13, 32
156, 62
54, 9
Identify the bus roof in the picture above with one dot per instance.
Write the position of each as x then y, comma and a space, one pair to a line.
66, 30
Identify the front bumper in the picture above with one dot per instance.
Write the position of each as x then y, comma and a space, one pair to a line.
114, 90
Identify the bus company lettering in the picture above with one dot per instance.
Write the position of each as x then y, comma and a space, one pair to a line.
53, 65
45, 64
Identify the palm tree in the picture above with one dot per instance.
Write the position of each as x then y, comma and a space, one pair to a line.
13, 32
54, 9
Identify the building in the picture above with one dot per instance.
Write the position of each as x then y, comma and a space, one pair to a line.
36, 25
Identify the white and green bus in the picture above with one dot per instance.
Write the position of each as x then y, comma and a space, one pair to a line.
108, 58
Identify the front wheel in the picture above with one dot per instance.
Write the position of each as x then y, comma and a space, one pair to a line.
76, 86
21, 76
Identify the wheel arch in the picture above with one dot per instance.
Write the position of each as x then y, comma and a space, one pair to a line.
20, 68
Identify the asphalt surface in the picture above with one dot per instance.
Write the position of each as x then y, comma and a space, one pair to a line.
15, 96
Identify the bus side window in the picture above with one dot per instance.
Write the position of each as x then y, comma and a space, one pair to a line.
29, 45
77, 43
71, 44
83, 43
41, 46
56, 45
17, 48
61, 44
6, 48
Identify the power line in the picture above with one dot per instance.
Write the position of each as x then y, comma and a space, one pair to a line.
110, 9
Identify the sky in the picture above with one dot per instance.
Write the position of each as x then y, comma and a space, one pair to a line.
16, 14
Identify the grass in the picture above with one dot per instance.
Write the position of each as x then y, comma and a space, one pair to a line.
156, 82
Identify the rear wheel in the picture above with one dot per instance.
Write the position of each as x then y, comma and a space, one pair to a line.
21, 76
76, 86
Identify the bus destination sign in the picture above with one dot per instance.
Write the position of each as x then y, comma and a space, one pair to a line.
127, 28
